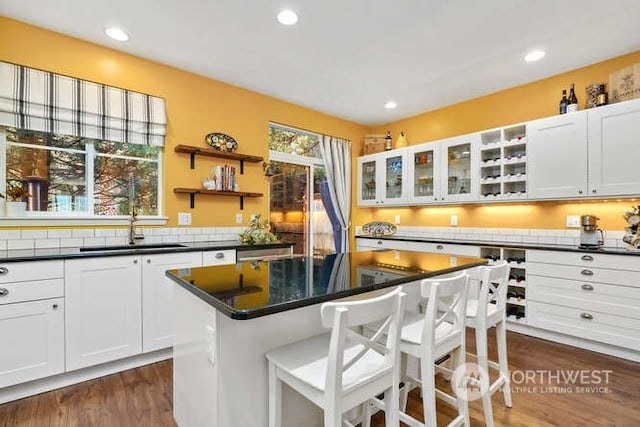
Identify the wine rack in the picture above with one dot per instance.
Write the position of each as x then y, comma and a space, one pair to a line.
503, 163
517, 287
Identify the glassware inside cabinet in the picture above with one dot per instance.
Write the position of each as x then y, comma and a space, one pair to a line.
394, 177
458, 167
368, 180
423, 173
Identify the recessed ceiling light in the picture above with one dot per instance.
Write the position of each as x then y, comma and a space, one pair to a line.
535, 55
390, 105
287, 17
117, 34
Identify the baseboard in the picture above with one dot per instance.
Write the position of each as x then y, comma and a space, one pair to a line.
42, 385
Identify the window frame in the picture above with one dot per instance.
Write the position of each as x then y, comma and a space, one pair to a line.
40, 218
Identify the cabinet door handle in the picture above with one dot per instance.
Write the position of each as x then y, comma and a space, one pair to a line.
148, 260
594, 191
586, 273
4, 292
586, 316
135, 261
54, 306
379, 242
220, 255
3, 271
440, 247
587, 287
586, 258
579, 191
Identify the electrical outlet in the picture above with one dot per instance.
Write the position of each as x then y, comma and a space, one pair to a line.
239, 218
396, 254
184, 218
397, 219
454, 220
573, 221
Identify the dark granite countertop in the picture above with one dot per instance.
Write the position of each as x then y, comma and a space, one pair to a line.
102, 251
254, 289
549, 247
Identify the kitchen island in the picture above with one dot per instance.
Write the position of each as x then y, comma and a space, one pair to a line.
227, 317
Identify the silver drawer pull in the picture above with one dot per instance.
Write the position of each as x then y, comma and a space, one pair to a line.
4, 270
220, 255
440, 247
586, 258
586, 316
587, 287
379, 242
4, 292
586, 273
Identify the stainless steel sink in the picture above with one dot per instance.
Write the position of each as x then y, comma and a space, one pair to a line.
131, 247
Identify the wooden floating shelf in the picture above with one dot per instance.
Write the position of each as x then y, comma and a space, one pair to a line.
210, 152
193, 191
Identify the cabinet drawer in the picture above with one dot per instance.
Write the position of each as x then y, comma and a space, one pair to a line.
227, 256
31, 291
31, 270
582, 259
372, 244
602, 297
431, 247
587, 274
592, 325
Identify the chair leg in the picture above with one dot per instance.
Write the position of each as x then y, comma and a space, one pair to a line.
366, 414
391, 409
332, 416
275, 398
458, 359
428, 389
501, 337
483, 363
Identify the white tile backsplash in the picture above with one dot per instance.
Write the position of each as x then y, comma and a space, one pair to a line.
59, 233
33, 234
20, 244
47, 243
83, 232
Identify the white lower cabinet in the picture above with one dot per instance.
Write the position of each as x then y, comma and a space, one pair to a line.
157, 291
104, 310
574, 294
31, 321
32, 340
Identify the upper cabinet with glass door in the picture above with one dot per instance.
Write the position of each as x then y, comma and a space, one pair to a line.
424, 173
381, 179
460, 157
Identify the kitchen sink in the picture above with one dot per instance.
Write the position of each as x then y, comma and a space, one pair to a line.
131, 247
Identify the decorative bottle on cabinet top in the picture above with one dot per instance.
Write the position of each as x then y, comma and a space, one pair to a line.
563, 102
387, 142
572, 101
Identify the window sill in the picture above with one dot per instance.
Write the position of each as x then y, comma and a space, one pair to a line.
56, 220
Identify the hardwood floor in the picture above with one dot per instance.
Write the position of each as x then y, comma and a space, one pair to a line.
143, 397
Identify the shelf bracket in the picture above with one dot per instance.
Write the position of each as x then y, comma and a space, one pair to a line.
192, 200
193, 161
241, 202
241, 167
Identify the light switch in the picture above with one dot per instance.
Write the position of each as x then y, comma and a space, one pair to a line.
397, 219
239, 218
184, 218
454, 220
573, 221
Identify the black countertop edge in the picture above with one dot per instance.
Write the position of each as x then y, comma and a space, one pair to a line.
515, 245
74, 252
292, 305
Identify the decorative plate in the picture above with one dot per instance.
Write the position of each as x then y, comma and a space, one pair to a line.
221, 142
379, 229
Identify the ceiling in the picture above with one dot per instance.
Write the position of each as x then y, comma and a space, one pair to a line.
348, 57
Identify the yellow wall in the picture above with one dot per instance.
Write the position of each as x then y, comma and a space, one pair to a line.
195, 106
522, 103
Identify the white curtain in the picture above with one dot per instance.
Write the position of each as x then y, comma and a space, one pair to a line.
336, 154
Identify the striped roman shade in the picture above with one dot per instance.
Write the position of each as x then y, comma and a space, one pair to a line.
48, 102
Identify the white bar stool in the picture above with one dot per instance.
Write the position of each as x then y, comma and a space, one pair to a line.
485, 311
431, 336
343, 369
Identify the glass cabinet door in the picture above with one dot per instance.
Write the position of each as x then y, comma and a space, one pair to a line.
423, 175
459, 169
393, 177
368, 181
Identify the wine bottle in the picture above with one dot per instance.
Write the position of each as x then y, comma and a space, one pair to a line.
563, 102
602, 97
572, 101
387, 141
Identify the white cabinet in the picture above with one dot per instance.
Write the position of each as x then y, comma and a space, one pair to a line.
382, 179
103, 309
157, 291
558, 157
614, 149
442, 172
31, 321
591, 296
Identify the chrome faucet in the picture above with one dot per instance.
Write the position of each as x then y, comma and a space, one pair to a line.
133, 214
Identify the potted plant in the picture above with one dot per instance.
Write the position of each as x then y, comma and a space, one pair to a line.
257, 233
15, 205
